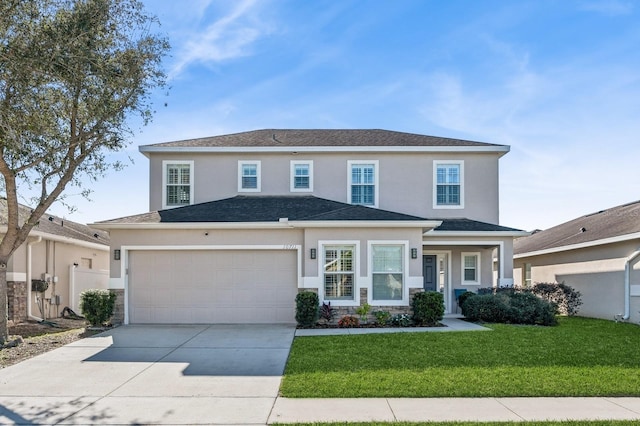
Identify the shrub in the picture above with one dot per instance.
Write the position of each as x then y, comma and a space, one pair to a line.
428, 308
509, 307
97, 305
486, 307
307, 308
527, 308
326, 312
382, 317
400, 320
565, 297
464, 296
363, 311
349, 321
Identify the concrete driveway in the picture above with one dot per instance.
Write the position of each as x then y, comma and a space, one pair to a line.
194, 374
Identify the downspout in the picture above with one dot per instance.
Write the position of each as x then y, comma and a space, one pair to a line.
627, 284
29, 295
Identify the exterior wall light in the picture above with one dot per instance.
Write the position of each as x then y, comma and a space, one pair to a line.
414, 253
313, 253
116, 254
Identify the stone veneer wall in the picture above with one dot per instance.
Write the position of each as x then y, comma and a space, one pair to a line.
17, 300
341, 311
118, 311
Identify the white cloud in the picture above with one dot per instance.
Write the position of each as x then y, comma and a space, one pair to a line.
226, 38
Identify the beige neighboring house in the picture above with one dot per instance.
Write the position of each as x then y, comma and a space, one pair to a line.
240, 223
71, 257
597, 254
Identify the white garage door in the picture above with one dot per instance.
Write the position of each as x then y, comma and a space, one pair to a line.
213, 286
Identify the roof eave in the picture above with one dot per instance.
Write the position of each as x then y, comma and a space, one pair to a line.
282, 223
67, 240
514, 234
147, 150
587, 244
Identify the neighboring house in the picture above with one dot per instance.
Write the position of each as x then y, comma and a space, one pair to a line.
597, 254
71, 257
240, 223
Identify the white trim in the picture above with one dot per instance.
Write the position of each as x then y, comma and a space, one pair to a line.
503, 149
124, 264
500, 245
17, 276
165, 163
611, 240
376, 183
448, 285
258, 165
357, 278
292, 169
437, 163
424, 224
405, 273
478, 256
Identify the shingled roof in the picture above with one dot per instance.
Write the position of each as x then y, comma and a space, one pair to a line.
247, 208
55, 225
602, 225
319, 138
468, 225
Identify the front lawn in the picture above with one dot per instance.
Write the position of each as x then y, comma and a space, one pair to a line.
579, 357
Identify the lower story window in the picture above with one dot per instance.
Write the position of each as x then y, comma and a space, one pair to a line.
387, 272
470, 268
339, 273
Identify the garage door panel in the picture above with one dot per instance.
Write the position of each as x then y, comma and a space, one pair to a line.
234, 286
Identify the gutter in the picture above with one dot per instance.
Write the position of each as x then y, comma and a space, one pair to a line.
627, 284
29, 277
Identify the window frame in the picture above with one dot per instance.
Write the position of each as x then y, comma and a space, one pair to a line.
478, 257
526, 272
165, 165
292, 175
438, 163
376, 178
405, 273
241, 164
322, 245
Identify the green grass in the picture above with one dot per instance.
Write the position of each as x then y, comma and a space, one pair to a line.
547, 423
579, 357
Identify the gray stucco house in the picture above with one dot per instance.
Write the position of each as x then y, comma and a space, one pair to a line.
597, 254
240, 223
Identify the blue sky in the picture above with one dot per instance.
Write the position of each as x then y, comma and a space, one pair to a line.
558, 81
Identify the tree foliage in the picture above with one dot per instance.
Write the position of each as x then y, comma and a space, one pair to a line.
72, 74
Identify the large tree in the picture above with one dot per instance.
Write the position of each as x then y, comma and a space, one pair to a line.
74, 75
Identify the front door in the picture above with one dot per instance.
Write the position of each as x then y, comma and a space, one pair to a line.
430, 272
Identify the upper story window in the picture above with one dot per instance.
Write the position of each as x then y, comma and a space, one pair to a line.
249, 176
177, 183
363, 183
301, 176
449, 184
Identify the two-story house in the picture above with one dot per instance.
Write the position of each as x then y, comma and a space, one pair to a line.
240, 223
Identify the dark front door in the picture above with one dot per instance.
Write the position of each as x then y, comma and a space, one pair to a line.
430, 272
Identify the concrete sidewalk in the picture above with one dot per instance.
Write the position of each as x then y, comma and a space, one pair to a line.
288, 410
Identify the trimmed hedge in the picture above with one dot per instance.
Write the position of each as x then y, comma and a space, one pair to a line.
307, 310
510, 307
97, 305
428, 308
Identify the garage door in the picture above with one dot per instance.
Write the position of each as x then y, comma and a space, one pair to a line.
213, 286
